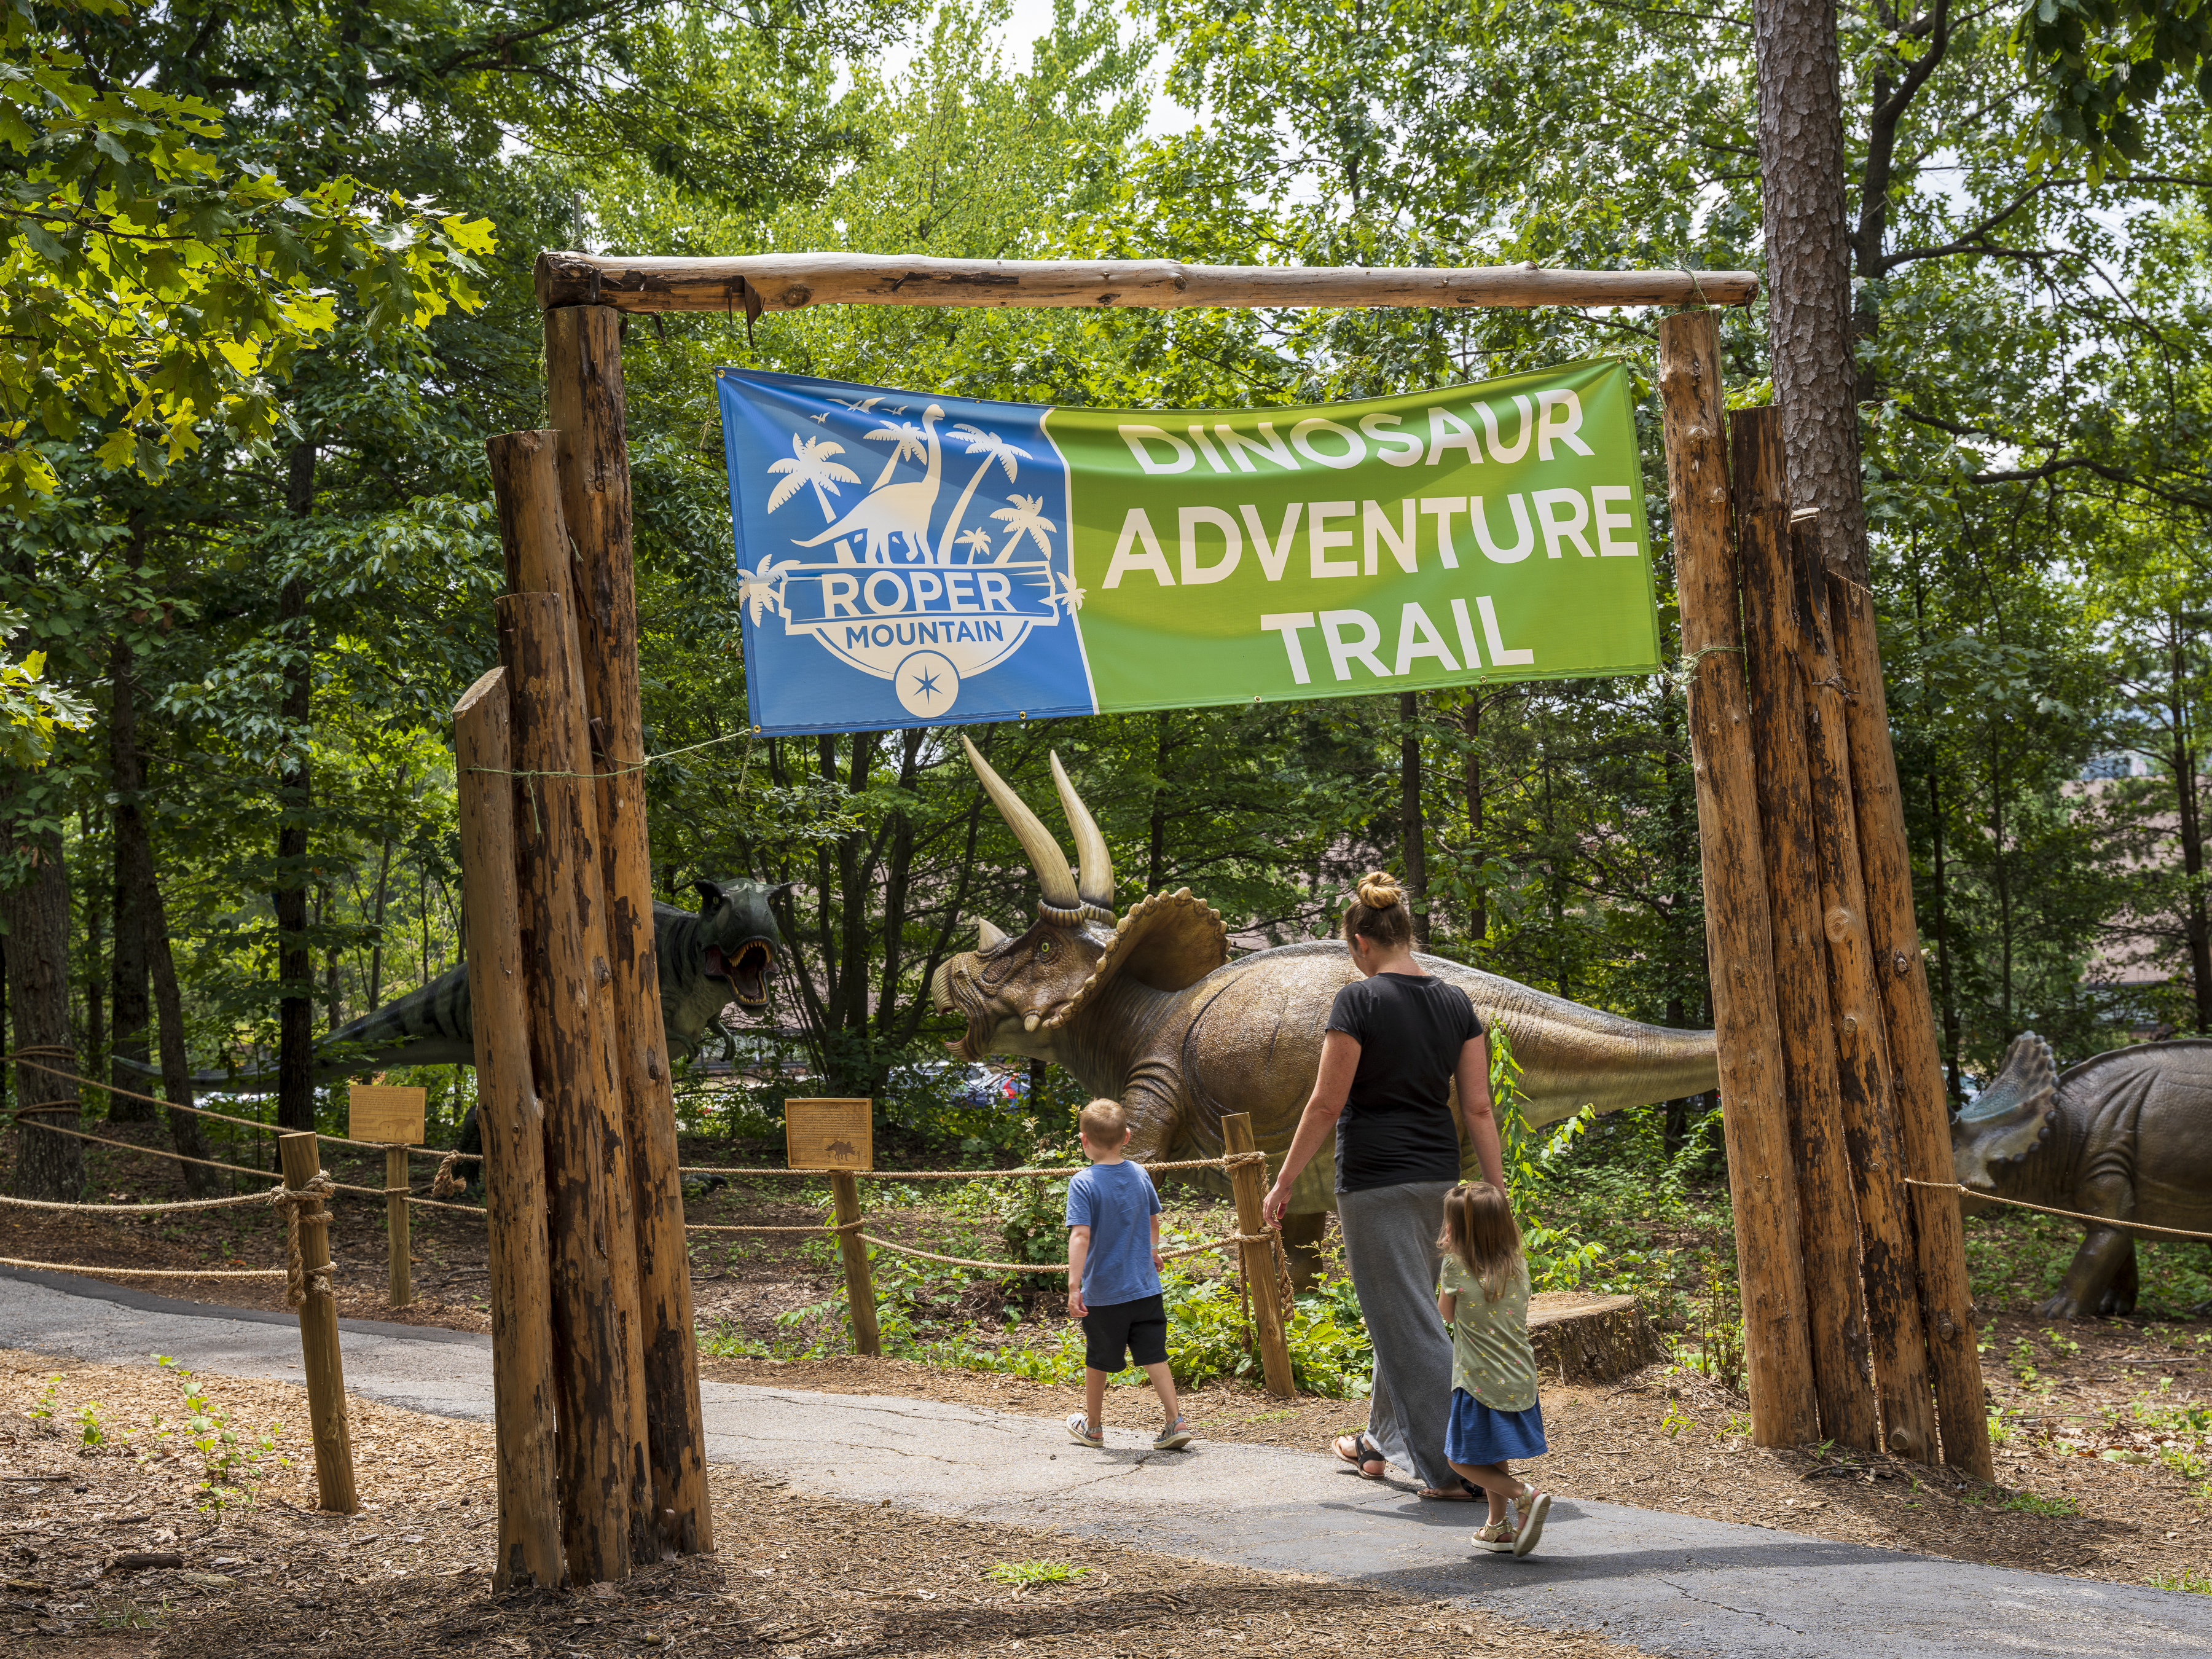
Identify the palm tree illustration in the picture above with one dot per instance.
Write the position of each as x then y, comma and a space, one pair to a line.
905, 439
994, 449
976, 541
810, 463
901, 509
1025, 517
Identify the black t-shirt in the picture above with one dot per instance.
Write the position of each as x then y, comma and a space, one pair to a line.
1397, 1124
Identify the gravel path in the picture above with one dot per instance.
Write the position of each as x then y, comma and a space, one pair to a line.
1669, 1583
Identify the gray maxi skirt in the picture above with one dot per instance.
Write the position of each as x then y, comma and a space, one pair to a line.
1390, 1245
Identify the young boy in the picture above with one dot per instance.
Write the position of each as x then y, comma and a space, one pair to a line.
1114, 1278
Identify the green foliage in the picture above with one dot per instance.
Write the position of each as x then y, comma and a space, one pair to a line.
2190, 1579
229, 1460
1034, 1572
42, 1410
2101, 65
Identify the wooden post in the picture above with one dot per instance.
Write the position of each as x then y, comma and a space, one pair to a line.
584, 392
396, 1242
1246, 1181
571, 1061
523, 1396
1887, 1261
860, 1279
1827, 1214
1739, 938
1916, 1058
319, 1332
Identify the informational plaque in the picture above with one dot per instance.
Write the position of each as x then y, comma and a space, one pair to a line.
391, 1115
829, 1134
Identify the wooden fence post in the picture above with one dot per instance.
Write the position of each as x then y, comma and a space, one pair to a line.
523, 1409
1249, 1183
319, 1331
1887, 1255
1827, 1212
584, 392
859, 1278
396, 1241
1739, 938
1915, 1059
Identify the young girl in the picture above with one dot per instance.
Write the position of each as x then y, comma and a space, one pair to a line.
1483, 1294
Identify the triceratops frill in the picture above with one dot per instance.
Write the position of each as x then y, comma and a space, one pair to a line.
1148, 1008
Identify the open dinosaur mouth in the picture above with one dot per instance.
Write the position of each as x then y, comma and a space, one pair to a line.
747, 975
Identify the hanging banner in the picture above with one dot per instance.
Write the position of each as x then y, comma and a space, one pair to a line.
912, 560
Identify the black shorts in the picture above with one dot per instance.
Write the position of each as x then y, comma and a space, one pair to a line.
1138, 1329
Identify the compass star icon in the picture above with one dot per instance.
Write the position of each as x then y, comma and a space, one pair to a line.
927, 684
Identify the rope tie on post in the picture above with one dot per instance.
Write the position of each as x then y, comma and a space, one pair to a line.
299, 1284
448, 1182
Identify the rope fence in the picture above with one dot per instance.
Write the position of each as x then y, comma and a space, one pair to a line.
2118, 1227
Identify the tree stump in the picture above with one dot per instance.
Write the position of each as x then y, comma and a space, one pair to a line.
1582, 1338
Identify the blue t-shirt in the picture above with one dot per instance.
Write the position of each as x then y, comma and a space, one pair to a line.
1117, 1203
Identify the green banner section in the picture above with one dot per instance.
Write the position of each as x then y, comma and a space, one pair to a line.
1480, 532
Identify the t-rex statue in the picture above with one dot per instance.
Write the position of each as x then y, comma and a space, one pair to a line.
1149, 1009
721, 953
2127, 1135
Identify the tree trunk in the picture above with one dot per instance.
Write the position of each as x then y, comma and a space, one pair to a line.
129, 990
1409, 814
295, 966
1801, 158
95, 970
37, 915
1156, 869
169, 1009
2196, 920
1478, 904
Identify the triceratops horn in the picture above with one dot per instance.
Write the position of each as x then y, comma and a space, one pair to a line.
1095, 864
1055, 882
989, 935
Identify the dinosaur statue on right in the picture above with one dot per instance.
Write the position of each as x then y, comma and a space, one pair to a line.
2127, 1135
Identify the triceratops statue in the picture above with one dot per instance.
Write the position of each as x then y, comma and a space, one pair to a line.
1148, 1008
2127, 1135
706, 960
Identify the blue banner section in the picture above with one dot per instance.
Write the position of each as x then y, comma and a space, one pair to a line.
904, 559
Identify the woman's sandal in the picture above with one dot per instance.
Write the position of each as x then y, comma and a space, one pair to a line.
1363, 1451
1498, 1538
1468, 1492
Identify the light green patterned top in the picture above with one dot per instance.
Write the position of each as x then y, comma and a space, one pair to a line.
1491, 1356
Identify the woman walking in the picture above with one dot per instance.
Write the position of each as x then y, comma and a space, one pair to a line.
1397, 1043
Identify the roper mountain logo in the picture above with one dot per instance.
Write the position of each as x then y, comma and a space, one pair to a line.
919, 543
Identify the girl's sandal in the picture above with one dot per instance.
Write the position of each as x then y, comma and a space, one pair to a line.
1363, 1451
1534, 1508
1498, 1538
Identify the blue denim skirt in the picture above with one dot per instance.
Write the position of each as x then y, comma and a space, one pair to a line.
1477, 1434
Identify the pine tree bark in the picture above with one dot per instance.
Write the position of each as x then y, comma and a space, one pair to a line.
1809, 281
37, 915
169, 1012
129, 985
1409, 814
296, 965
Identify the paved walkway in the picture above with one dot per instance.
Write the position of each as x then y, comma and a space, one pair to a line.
1672, 1584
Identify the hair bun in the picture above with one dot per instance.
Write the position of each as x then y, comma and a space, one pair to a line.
1379, 889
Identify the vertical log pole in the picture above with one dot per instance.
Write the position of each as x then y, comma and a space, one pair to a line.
396, 1241
583, 389
319, 1332
565, 956
859, 1278
1916, 1057
1827, 1212
1888, 1257
523, 1399
1770, 1261
533, 529
1248, 1182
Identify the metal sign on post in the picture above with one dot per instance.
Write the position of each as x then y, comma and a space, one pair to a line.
829, 1134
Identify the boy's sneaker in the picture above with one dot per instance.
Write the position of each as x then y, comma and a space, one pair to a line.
1080, 1431
1174, 1437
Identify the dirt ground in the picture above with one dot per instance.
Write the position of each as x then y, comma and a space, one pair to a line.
792, 1575
2105, 1469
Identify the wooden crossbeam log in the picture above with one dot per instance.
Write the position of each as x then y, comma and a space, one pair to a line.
790, 281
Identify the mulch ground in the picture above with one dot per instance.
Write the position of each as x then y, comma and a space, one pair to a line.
2094, 1479
792, 1575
